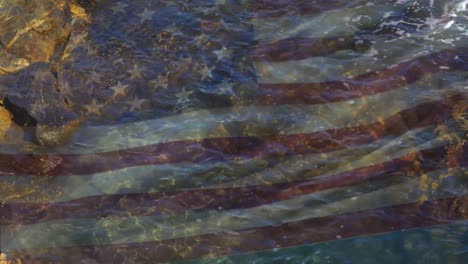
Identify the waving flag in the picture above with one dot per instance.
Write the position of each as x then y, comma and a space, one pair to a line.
310, 122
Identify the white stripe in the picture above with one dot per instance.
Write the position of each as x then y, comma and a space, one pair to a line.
198, 176
291, 170
169, 177
347, 63
113, 230
331, 23
277, 119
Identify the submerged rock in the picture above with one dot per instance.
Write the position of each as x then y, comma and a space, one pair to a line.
120, 62
33, 38
10, 133
32, 31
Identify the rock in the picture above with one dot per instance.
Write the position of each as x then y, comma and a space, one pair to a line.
5, 122
32, 31
33, 38
107, 62
10, 133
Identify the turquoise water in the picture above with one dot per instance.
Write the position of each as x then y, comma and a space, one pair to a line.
439, 244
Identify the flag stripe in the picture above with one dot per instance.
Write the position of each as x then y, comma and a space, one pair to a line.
227, 198
443, 60
389, 151
302, 48
376, 194
348, 64
220, 148
358, 23
335, 142
392, 247
282, 119
288, 234
282, 8
366, 84
417, 162
191, 176
333, 23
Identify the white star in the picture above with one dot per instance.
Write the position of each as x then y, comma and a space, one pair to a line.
162, 81
66, 88
222, 53
37, 109
106, 23
119, 61
146, 15
42, 76
136, 104
135, 73
174, 30
76, 39
119, 89
90, 50
207, 72
200, 40
119, 7
221, 3
225, 87
206, 10
182, 63
93, 108
95, 77
183, 96
225, 25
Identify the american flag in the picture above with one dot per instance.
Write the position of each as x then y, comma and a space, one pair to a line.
311, 127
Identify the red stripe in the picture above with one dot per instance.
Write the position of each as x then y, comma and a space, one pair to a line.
302, 48
313, 230
363, 85
275, 8
222, 149
226, 198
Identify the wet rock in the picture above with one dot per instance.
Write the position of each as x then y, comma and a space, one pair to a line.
36, 92
32, 31
33, 37
122, 62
